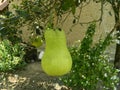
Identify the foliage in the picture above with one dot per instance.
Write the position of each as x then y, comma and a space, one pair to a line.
36, 14
11, 56
91, 67
9, 28
39, 13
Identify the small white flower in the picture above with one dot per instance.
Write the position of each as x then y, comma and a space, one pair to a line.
41, 55
114, 77
105, 74
83, 76
78, 1
117, 41
37, 27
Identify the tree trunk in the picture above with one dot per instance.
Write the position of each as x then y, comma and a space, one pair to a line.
117, 57
116, 9
117, 53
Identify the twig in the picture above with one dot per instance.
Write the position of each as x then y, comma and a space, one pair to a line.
65, 18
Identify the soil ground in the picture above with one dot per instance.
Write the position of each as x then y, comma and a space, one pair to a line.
30, 78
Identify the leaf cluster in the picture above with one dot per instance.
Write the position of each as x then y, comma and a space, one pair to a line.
91, 68
9, 27
11, 56
39, 13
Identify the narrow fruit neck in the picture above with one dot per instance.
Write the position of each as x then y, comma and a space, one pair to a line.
55, 38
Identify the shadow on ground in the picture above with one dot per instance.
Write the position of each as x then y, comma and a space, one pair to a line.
30, 78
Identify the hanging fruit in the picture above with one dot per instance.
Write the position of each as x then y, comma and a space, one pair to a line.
56, 60
36, 41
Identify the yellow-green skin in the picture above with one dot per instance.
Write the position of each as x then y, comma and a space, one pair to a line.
37, 41
56, 60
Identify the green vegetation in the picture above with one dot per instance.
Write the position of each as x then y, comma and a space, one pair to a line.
10, 27
11, 56
91, 67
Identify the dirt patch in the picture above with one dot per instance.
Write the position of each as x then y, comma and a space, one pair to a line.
30, 78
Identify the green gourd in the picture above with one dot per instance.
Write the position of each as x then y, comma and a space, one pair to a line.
56, 60
36, 41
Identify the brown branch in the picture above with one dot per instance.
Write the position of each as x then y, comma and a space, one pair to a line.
79, 15
65, 18
114, 28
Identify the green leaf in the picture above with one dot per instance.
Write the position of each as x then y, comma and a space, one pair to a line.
67, 4
73, 9
23, 13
